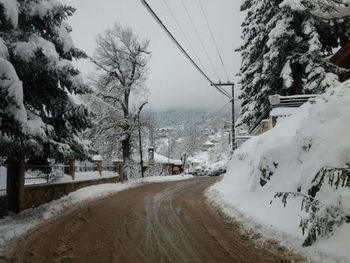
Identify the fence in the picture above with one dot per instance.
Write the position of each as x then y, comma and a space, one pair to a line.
36, 174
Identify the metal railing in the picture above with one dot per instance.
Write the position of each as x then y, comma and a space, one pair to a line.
37, 174
85, 168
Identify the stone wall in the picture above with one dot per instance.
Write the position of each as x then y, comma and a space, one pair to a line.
36, 195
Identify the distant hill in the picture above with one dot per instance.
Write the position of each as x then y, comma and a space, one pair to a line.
189, 118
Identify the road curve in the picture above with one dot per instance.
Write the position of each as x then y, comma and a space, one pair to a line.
163, 222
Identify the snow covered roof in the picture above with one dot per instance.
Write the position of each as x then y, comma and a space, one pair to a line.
116, 160
209, 143
97, 158
158, 158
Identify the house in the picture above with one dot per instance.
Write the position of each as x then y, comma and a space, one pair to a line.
280, 107
193, 162
166, 164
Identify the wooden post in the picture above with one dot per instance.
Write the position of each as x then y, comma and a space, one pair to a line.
121, 174
99, 167
15, 185
72, 169
140, 149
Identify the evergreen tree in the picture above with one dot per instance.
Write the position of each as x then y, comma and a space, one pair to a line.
285, 51
39, 93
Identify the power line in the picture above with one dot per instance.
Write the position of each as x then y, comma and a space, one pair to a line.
219, 110
184, 35
213, 38
200, 39
159, 21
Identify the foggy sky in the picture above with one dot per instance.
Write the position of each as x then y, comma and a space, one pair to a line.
173, 81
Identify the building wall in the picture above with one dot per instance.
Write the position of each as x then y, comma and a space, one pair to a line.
39, 194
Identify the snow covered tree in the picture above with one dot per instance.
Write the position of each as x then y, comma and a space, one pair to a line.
38, 114
121, 60
285, 51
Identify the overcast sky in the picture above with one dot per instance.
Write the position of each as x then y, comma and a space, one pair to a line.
173, 81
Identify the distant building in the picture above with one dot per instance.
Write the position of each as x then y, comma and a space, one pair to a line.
192, 163
208, 145
155, 160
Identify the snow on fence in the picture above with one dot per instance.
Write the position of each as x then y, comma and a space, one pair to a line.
37, 174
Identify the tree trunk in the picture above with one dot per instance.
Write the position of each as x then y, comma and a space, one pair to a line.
15, 184
126, 157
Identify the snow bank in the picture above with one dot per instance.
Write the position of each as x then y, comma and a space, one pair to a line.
16, 225
286, 159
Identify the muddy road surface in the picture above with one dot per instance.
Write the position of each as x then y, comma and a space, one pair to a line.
162, 222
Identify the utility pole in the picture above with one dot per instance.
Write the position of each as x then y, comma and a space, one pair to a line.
140, 144
233, 135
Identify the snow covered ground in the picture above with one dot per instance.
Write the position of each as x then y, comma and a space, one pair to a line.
83, 176
286, 159
16, 225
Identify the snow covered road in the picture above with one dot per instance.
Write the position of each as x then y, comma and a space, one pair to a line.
163, 222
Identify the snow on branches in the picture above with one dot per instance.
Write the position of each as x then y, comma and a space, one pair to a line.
38, 112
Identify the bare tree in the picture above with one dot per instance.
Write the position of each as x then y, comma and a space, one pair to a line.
122, 63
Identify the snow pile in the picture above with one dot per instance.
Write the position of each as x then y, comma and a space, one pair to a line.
287, 159
16, 225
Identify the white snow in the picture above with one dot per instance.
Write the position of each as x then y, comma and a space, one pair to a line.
26, 50
65, 37
316, 135
16, 225
282, 111
43, 8
286, 74
11, 11
10, 82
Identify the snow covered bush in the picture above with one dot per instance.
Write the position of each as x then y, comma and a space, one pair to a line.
38, 114
306, 156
